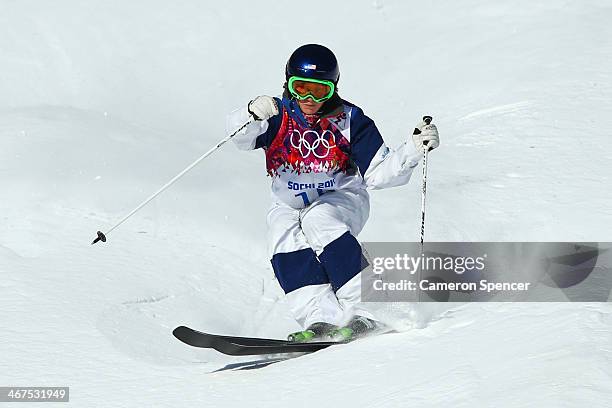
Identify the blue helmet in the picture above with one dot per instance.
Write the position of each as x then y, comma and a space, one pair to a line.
313, 61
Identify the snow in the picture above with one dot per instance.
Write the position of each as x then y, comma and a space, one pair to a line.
103, 102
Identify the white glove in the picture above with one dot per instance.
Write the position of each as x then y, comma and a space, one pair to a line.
263, 107
426, 135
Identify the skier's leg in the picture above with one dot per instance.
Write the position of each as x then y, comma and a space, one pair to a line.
333, 214
298, 270
330, 225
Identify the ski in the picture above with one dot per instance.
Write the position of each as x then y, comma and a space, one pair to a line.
245, 346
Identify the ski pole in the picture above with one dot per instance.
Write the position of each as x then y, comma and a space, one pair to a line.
427, 120
102, 236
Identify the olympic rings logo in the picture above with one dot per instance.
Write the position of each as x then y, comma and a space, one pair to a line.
311, 145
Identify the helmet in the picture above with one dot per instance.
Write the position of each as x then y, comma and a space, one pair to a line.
313, 61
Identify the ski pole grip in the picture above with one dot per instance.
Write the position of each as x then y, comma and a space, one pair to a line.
427, 119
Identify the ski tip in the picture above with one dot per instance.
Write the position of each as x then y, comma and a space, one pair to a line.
177, 332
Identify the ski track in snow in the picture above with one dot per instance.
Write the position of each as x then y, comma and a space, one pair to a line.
512, 108
104, 104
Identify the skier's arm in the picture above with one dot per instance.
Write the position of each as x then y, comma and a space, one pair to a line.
391, 168
381, 166
257, 133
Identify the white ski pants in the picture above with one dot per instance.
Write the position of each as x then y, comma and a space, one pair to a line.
317, 258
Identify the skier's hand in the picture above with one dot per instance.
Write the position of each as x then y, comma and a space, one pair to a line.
426, 136
263, 107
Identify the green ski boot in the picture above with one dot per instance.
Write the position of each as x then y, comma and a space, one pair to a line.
357, 327
315, 332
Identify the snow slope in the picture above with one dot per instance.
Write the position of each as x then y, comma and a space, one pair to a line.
103, 102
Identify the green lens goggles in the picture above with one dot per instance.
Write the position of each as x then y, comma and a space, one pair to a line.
316, 89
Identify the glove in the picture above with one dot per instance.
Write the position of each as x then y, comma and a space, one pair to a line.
426, 135
263, 107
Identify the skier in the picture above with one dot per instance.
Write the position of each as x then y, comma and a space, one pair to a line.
322, 154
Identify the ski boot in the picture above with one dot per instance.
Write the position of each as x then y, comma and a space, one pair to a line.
357, 327
315, 332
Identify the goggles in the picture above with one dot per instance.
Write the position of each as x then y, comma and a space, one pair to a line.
316, 89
